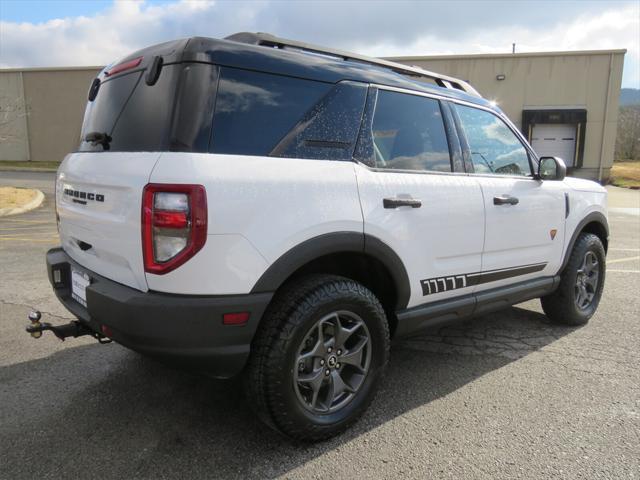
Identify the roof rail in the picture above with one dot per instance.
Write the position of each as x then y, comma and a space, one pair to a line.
268, 40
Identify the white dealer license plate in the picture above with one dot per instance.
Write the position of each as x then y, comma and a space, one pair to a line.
79, 283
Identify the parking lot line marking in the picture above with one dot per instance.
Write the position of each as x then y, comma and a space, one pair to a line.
624, 249
620, 260
23, 229
17, 220
27, 239
28, 242
623, 271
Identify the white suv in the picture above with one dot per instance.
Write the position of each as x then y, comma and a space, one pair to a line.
269, 207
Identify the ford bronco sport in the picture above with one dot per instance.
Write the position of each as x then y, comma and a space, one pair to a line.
267, 207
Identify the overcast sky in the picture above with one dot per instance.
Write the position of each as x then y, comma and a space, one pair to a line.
75, 32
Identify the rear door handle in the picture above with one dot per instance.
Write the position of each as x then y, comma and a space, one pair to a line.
505, 200
401, 202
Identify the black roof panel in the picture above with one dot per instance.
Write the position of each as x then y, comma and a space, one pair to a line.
290, 62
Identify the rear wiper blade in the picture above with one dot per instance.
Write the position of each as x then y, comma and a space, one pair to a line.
98, 138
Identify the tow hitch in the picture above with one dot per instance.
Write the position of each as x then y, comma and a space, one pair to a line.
72, 329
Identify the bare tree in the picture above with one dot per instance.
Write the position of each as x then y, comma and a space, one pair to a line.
628, 136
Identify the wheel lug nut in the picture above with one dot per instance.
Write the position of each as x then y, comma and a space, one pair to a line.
329, 349
337, 365
321, 362
327, 371
339, 352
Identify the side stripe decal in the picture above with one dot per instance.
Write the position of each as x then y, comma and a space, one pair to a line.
445, 284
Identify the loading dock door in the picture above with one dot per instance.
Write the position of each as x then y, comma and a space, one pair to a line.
555, 140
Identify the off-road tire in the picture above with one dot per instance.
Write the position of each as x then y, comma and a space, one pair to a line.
268, 378
560, 306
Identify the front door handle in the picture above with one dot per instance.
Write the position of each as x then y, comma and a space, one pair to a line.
401, 202
505, 200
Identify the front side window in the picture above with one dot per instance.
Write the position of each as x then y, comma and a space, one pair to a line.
494, 148
408, 133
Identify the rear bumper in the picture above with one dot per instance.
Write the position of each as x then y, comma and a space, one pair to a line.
184, 329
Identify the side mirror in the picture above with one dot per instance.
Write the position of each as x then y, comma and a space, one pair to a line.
551, 168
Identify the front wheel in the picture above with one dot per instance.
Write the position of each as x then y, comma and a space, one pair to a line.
318, 357
581, 284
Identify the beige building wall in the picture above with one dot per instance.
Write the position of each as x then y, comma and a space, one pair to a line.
589, 80
41, 111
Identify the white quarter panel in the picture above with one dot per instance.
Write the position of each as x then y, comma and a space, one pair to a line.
110, 227
519, 235
227, 264
268, 205
441, 239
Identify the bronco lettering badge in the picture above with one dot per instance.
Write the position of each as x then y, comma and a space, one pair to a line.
81, 197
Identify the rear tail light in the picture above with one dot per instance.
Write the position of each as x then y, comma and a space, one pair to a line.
174, 225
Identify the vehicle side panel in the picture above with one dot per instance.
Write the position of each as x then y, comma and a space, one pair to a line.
440, 242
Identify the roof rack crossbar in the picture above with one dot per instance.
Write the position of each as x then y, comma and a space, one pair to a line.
268, 40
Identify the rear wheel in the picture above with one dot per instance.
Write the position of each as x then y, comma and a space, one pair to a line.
582, 281
318, 357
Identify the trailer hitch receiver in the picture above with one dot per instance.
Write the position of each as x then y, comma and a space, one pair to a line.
72, 329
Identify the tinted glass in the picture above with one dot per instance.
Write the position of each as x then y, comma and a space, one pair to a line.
408, 133
494, 148
329, 130
135, 115
193, 112
146, 119
254, 111
100, 115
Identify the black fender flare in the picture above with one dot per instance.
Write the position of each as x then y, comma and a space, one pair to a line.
337, 242
590, 218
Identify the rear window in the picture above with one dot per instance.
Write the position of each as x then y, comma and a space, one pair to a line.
101, 114
136, 116
254, 111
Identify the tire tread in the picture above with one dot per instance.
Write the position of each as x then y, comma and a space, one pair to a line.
277, 329
559, 306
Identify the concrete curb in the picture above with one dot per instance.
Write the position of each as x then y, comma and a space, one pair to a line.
35, 203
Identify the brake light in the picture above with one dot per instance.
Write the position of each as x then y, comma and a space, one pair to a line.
174, 225
121, 67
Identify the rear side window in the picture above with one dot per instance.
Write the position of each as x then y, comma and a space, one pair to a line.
254, 111
494, 148
329, 130
408, 133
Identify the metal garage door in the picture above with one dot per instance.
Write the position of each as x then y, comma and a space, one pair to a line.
555, 140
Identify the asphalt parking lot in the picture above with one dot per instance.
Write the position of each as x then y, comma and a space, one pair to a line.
503, 396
